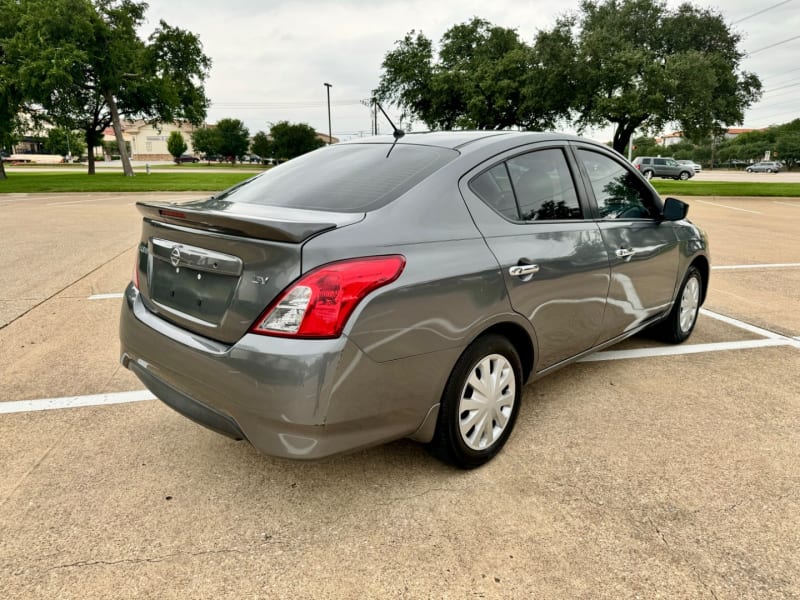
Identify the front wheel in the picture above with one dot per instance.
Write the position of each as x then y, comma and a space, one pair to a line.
480, 403
678, 326
749, 170
684, 175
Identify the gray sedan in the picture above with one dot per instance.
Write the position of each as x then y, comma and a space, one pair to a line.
407, 287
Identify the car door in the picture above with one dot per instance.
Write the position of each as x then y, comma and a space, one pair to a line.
642, 248
554, 261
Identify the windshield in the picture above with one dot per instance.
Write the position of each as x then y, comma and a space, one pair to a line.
343, 178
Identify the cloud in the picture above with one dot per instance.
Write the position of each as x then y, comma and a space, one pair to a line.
272, 58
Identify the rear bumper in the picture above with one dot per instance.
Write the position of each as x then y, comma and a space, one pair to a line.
301, 399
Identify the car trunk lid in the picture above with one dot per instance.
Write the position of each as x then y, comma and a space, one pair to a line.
213, 267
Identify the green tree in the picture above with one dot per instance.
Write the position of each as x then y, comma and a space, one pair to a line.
483, 77
84, 64
639, 65
176, 145
11, 98
262, 145
291, 140
232, 138
64, 142
206, 141
787, 148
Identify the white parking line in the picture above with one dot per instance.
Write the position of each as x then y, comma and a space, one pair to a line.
104, 296
684, 349
771, 339
755, 212
787, 204
763, 266
751, 328
74, 401
84, 201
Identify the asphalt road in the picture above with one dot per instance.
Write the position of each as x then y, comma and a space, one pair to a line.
634, 475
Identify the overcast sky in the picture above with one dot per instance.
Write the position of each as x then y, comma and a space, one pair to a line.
270, 59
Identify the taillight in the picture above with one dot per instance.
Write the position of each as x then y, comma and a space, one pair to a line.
319, 303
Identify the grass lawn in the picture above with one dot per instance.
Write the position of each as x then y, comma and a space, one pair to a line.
48, 182
725, 188
115, 182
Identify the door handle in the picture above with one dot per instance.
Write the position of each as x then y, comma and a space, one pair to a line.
625, 252
523, 270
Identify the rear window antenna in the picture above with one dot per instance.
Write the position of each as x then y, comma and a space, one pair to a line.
397, 133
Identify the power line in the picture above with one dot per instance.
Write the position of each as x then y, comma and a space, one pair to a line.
782, 87
761, 12
773, 45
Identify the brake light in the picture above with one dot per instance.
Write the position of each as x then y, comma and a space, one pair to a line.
319, 303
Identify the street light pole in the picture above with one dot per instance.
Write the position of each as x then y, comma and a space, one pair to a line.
330, 135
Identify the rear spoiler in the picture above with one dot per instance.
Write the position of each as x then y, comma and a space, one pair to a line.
250, 220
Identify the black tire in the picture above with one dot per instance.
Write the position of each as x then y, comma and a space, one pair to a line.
648, 174
684, 175
769, 170
449, 444
678, 326
749, 170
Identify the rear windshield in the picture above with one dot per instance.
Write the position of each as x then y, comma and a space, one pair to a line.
345, 178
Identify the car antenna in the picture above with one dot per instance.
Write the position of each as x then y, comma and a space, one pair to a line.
397, 133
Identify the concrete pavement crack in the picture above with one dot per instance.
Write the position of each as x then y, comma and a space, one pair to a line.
658, 531
66, 287
154, 559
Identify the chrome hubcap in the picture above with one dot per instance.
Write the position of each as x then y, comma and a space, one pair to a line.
487, 402
690, 302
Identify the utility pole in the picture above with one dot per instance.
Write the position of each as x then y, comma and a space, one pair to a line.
330, 134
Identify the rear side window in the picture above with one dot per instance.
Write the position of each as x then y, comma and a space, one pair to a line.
537, 186
343, 178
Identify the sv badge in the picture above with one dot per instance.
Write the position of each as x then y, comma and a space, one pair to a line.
260, 280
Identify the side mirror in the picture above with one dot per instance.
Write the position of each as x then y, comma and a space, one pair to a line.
674, 210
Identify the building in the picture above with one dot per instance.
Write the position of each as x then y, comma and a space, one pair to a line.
148, 141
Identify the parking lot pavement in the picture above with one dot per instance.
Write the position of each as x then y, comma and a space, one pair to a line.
634, 474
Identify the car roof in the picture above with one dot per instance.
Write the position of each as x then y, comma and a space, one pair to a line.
458, 140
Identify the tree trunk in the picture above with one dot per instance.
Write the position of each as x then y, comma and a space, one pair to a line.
127, 169
623, 134
2, 169
90, 149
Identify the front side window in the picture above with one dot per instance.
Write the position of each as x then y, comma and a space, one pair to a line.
537, 186
660, 162
619, 193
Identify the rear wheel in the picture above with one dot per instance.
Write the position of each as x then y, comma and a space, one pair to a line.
749, 170
648, 174
480, 403
769, 170
678, 326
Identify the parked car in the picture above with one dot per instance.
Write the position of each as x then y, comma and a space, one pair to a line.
690, 163
766, 166
666, 168
213, 158
187, 158
366, 292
